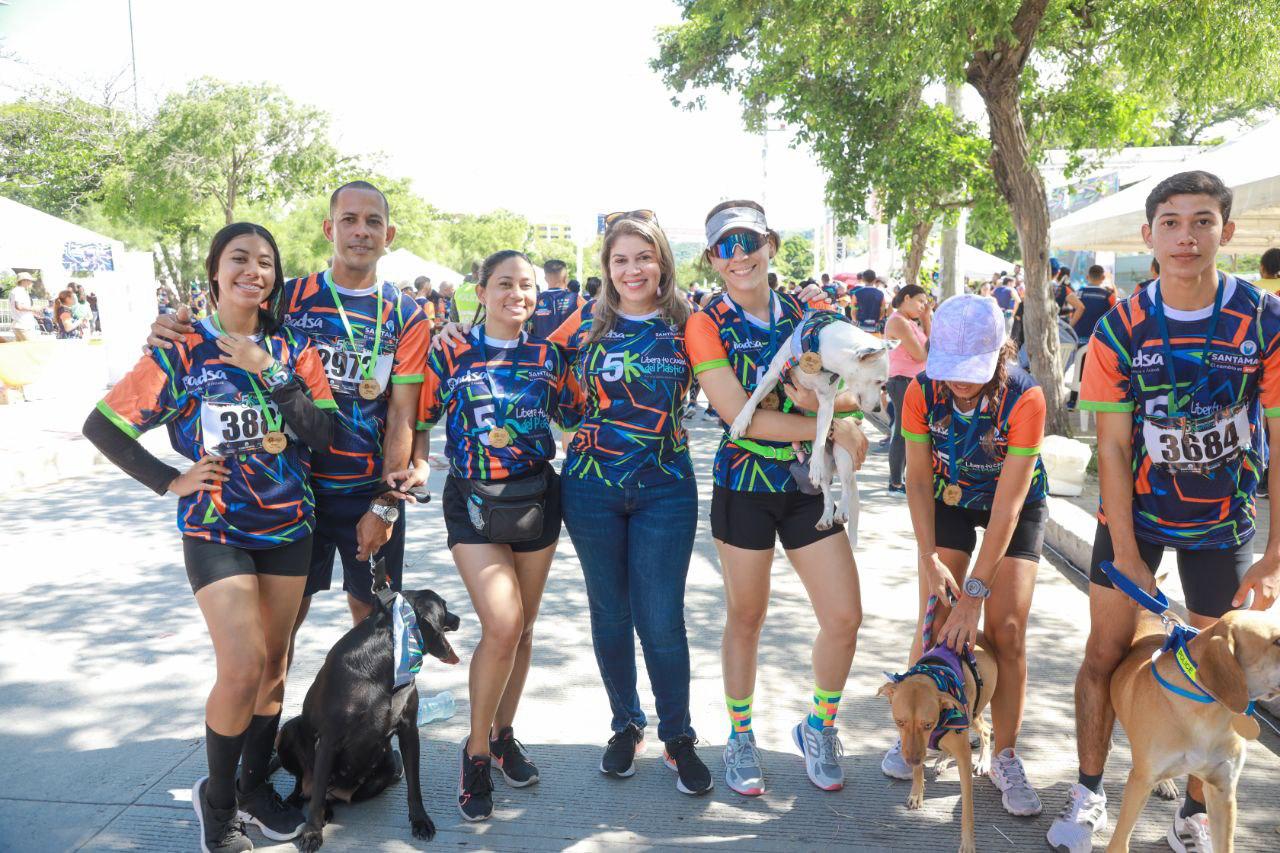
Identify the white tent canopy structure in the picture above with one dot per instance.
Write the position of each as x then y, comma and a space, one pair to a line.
403, 266
1249, 165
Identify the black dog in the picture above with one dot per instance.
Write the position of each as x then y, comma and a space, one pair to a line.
339, 748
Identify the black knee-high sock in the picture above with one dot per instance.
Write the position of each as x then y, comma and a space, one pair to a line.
222, 751
260, 737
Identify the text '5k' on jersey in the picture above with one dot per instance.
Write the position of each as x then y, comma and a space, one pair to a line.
211, 408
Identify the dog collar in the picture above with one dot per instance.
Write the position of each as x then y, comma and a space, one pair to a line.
407, 640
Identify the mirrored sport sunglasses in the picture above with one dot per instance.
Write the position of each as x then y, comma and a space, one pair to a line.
645, 215
748, 240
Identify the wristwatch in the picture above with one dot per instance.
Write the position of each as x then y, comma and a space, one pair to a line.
975, 588
388, 514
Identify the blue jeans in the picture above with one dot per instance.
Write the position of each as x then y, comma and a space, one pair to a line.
634, 544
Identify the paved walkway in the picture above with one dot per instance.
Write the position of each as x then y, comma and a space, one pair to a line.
104, 664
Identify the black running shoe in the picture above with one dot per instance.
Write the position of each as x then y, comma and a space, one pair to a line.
221, 831
508, 753
620, 755
263, 808
475, 785
692, 776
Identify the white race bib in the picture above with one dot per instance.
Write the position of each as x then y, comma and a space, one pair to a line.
346, 369
231, 428
1200, 445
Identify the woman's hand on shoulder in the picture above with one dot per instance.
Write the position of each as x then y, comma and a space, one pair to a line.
450, 334
168, 328
811, 294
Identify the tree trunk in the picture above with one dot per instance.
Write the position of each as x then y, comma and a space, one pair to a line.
172, 268
919, 242
950, 277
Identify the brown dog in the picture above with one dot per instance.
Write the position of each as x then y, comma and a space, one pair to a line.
918, 705
1238, 659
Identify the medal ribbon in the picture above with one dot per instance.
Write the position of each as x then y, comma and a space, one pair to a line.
1162, 324
773, 327
367, 373
497, 393
952, 460
272, 426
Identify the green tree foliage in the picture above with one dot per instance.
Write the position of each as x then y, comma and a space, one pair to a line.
795, 259
1097, 74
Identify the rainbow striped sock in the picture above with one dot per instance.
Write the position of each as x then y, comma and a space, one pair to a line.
739, 715
825, 705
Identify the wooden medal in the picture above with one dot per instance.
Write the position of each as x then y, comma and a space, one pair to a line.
811, 362
1245, 726
499, 437
770, 402
370, 389
274, 442
951, 495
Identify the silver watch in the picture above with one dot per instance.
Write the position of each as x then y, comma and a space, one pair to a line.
388, 514
975, 588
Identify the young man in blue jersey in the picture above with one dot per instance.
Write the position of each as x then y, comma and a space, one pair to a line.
556, 303
1177, 470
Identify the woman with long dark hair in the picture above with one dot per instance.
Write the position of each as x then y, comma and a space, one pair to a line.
909, 326
246, 401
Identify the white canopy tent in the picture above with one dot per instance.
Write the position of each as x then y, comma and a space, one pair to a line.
403, 266
1249, 165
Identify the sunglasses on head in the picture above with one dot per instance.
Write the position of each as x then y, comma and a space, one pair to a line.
644, 215
748, 240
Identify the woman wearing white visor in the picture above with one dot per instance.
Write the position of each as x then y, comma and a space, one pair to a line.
973, 422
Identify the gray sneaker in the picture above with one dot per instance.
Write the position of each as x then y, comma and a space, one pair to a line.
1010, 777
822, 751
893, 764
742, 770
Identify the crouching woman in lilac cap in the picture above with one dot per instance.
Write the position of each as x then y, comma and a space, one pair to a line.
973, 422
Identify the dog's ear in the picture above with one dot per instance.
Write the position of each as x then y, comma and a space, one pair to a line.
887, 689
866, 354
1219, 670
437, 646
949, 701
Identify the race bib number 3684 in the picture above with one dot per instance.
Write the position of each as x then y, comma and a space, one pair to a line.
1199, 445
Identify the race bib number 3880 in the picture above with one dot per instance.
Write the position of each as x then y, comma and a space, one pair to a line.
1197, 445
231, 428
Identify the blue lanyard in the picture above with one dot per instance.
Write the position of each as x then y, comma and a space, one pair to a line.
773, 324
968, 440
496, 393
1163, 325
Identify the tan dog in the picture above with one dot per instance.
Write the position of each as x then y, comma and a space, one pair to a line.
917, 706
1238, 659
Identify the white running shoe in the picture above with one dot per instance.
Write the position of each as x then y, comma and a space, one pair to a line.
1190, 834
893, 764
1084, 814
1010, 777
742, 771
822, 751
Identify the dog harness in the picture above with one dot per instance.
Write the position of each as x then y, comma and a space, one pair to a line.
944, 667
407, 641
805, 338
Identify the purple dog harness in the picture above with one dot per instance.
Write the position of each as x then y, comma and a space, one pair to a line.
946, 669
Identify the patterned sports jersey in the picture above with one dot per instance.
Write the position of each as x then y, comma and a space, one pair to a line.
630, 391
211, 407
482, 384
721, 335
1013, 426
554, 306
1195, 487
870, 304
1097, 301
354, 463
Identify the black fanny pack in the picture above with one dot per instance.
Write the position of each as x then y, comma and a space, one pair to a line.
505, 511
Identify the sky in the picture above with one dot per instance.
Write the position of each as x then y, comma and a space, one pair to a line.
545, 108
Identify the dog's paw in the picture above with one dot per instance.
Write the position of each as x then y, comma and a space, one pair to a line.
824, 523
310, 840
739, 426
840, 518
424, 828
1166, 789
915, 802
981, 766
967, 845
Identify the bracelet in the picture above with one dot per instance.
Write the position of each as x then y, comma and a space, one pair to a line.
274, 375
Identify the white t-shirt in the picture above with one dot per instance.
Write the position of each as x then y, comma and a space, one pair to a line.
18, 299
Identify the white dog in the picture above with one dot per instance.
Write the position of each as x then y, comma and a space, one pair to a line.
825, 349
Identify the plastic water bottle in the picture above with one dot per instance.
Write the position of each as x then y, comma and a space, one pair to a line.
438, 707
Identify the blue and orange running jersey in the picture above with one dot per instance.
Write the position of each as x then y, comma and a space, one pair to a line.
722, 335
1205, 504
630, 389
354, 462
1011, 426
211, 407
482, 384
553, 307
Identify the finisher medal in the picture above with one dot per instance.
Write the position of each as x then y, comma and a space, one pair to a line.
770, 402
370, 389
499, 437
951, 495
811, 362
274, 442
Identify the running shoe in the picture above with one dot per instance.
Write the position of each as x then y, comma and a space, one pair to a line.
1084, 814
511, 758
1190, 834
263, 808
475, 785
1010, 777
893, 764
690, 412
822, 751
221, 830
620, 755
742, 772
710, 414
692, 776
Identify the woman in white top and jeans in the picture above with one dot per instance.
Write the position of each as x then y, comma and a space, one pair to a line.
909, 325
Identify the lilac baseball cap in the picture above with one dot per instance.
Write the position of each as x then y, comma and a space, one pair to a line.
966, 340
